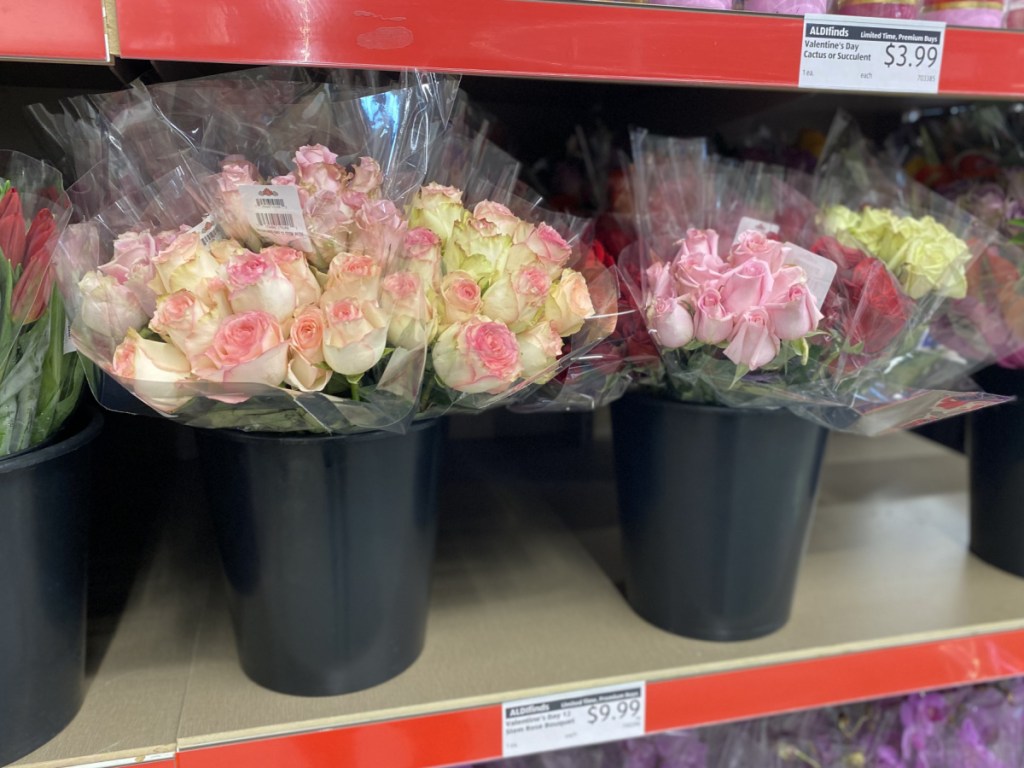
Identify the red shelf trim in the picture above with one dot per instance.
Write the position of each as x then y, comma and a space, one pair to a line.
471, 735
62, 30
581, 41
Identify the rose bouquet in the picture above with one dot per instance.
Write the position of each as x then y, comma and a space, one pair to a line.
39, 381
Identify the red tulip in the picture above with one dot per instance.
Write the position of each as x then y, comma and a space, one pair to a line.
32, 293
12, 228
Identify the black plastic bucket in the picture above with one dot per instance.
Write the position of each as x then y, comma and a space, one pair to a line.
44, 515
327, 544
715, 505
995, 450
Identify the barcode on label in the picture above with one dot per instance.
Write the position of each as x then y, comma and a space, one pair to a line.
269, 202
275, 220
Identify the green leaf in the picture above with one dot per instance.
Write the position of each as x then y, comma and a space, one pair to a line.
741, 371
51, 377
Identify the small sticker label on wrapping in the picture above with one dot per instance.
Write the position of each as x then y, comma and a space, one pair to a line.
748, 223
69, 343
573, 719
820, 271
208, 231
275, 212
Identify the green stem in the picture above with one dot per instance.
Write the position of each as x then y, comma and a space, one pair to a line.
353, 383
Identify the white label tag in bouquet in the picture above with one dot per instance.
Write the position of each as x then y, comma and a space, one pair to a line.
871, 54
573, 719
748, 223
208, 231
69, 343
275, 212
820, 271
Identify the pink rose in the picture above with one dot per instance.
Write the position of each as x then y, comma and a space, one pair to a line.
293, 265
752, 244
236, 171
288, 180
541, 244
795, 317
539, 349
423, 255
366, 176
746, 286
352, 276
133, 258
694, 274
108, 308
305, 351
437, 208
306, 336
256, 283
701, 245
713, 324
406, 301
183, 265
516, 299
753, 344
186, 322
460, 297
316, 167
471, 249
380, 229
248, 348
152, 367
568, 304
355, 336
477, 356
660, 283
670, 323
495, 218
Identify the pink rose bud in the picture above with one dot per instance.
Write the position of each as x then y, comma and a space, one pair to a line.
186, 322
355, 336
352, 275
694, 274
236, 171
748, 285
460, 297
539, 350
293, 265
542, 245
713, 324
247, 348
660, 283
145, 360
133, 256
406, 301
797, 316
108, 308
437, 208
256, 283
495, 218
753, 344
477, 356
183, 264
312, 155
568, 304
752, 244
380, 229
671, 323
305, 351
316, 166
366, 176
700, 245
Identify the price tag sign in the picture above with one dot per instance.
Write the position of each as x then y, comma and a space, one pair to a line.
861, 54
573, 719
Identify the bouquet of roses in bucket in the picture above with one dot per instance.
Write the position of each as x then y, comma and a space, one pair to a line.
39, 379
238, 299
750, 309
941, 268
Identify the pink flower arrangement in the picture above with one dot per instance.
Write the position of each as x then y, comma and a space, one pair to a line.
750, 304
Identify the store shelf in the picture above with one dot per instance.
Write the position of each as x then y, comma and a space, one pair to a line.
525, 603
55, 30
535, 38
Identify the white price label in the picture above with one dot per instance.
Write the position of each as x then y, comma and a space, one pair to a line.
275, 212
208, 231
69, 343
868, 54
573, 719
819, 270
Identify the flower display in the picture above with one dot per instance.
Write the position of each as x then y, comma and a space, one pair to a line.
39, 378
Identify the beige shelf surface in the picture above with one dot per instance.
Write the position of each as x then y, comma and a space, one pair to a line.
525, 601
525, 605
